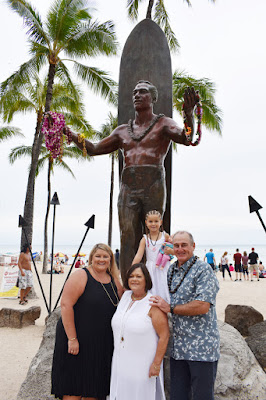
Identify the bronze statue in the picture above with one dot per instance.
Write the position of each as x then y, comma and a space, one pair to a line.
144, 143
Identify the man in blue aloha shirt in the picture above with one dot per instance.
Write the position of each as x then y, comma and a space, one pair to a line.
196, 344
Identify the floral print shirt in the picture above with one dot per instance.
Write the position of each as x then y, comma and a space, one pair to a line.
195, 338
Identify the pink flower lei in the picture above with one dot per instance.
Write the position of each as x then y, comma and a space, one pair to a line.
53, 128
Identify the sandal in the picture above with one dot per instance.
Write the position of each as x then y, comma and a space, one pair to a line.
22, 303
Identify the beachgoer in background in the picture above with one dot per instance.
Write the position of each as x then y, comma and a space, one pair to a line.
261, 270
253, 264
79, 263
238, 266
66, 259
84, 339
25, 274
210, 259
117, 257
224, 263
141, 335
245, 265
196, 346
150, 244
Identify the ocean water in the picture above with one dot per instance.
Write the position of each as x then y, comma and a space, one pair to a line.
200, 250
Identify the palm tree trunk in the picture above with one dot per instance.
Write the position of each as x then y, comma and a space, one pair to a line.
29, 199
45, 250
111, 202
149, 9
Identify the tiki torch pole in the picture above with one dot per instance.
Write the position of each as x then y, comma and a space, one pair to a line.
22, 223
54, 202
254, 206
89, 224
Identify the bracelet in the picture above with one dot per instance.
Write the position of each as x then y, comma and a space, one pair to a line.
156, 367
74, 338
81, 139
172, 309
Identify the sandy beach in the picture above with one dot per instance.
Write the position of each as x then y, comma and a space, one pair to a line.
18, 346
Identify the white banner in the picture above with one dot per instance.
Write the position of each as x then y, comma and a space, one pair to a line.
8, 284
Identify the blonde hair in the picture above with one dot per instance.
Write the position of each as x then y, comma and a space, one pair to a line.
112, 269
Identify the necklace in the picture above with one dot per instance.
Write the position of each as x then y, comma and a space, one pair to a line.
117, 299
106, 291
155, 240
183, 277
137, 298
145, 132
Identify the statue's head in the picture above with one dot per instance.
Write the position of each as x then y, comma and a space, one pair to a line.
152, 89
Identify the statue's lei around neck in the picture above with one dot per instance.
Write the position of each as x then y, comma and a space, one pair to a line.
145, 132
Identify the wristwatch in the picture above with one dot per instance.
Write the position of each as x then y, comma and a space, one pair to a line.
172, 309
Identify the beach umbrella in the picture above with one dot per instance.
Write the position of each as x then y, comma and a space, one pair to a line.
59, 254
79, 255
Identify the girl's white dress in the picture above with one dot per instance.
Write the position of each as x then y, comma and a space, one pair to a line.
158, 276
135, 344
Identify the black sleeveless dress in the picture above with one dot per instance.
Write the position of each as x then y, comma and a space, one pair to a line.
88, 373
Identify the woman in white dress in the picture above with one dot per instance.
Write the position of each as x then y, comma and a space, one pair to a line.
141, 335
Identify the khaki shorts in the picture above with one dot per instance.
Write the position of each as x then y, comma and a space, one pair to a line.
253, 267
26, 280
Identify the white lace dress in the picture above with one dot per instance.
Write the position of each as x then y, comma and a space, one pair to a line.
158, 276
135, 344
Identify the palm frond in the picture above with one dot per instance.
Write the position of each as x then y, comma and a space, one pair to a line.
20, 78
7, 132
31, 19
80, 124
91, 39
64, 166
212, 114
162, 19
98, 81
19, 152
63, 74
64, 15
133, 9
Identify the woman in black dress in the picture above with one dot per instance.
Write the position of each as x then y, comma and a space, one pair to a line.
84, 342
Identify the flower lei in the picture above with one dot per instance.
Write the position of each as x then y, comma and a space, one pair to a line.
53, 128
198, 113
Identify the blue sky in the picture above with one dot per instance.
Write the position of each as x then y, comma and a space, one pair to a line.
224, 42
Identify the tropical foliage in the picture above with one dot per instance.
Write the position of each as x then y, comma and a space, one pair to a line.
67, 36
212, 114
8, 132
160, 16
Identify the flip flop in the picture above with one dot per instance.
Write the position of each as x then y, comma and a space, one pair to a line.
22, 303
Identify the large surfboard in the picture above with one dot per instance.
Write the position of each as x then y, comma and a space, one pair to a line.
146, 56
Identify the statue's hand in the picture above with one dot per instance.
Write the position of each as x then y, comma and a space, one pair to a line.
191, 98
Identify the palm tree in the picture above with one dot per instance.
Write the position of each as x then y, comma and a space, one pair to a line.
212, 114
67, 100
160, 17
69, 33
105, 131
